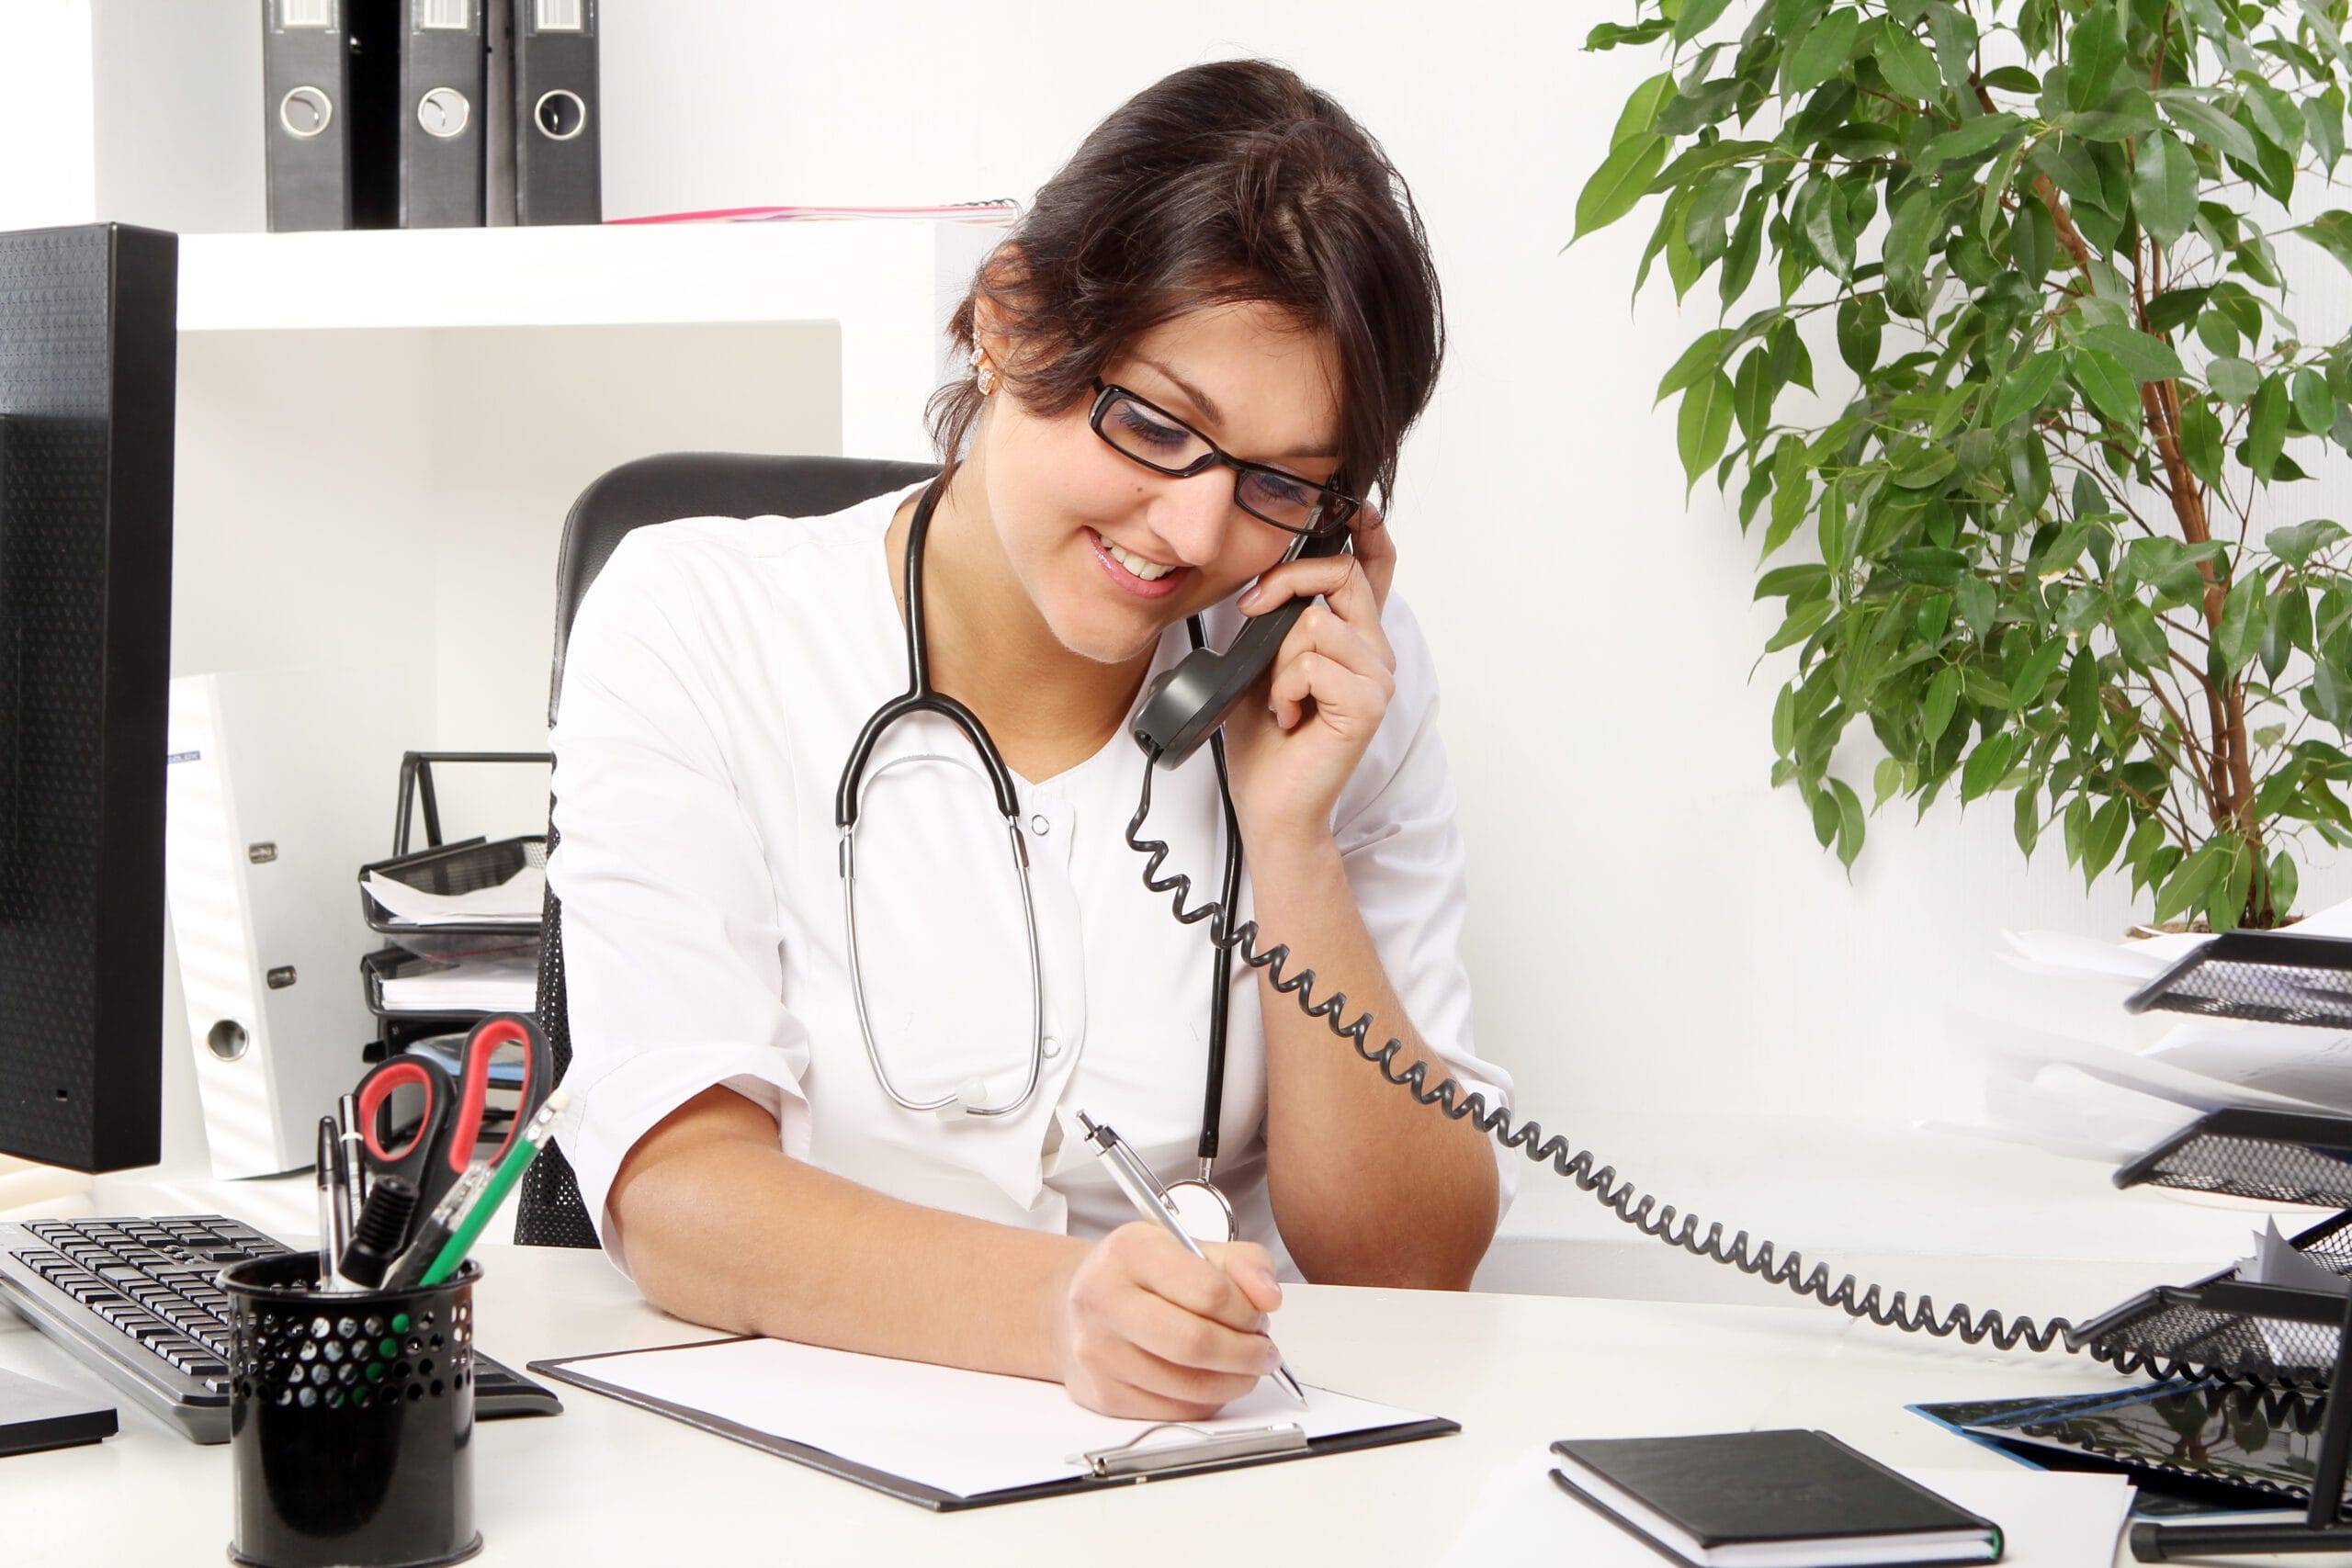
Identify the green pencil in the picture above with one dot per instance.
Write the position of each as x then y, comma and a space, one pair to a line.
501, 1181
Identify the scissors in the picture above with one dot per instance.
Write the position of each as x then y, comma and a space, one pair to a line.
441, 1145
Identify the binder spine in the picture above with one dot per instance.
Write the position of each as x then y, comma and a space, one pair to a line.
307, 114
443, 70
557, 113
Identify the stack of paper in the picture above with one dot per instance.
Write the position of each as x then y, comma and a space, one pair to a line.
2109, 1102
517, 901
490, 982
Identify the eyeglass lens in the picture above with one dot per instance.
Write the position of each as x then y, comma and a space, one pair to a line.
1147, 436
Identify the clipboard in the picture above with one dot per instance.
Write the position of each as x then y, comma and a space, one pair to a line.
1156, 1451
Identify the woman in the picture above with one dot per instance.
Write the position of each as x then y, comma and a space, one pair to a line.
1228, 264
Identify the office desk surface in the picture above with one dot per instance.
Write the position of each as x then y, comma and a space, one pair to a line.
607, 1484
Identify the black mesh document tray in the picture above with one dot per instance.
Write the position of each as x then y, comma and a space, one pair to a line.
2254, 1333
2263, 977
2283, 1157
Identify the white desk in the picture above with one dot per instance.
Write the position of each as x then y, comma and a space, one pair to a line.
607, 1483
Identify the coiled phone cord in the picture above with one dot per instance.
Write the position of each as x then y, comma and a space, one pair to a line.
1627, 1202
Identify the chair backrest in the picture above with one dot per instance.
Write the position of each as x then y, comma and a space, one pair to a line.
657, 489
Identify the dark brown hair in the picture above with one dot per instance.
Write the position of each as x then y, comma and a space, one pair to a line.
1220, 184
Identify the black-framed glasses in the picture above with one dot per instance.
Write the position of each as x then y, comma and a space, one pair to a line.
1138, 428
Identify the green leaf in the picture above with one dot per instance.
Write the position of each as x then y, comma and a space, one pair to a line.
1886, 781
2140, 637
2208, 124
1609, 34
2225, 899
2146, 358
1970, 141
1694, 18
2265, 433
1704, 427
1907, 65
2094, 49
1824, 816
2298, 542
2108, 386
1988, 765
2315, 407
2200, 440
2232, 378
1619, 182
2331, 231
2176, 308
1641, 109
1929, 466
2024, 391
2128, 113
1703, 358
1821, 55
1827, 225
1849, 822
2042, 664
2027, 819
2190, 881
2104, 837
1935, 567
2240, 633
2081, 701
2283, 880
1859, 323
2164, 190
2276, 117
1936, 707
1978, 604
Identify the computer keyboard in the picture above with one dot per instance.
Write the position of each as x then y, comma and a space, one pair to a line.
136, 1301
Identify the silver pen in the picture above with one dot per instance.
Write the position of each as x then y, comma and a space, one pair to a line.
1151, 1199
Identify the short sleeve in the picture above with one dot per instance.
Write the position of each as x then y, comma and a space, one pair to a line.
1402, 851
673, 966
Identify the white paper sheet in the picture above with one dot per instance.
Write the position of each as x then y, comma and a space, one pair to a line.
518, 898
492, 982
2048, 1519
2313, 1065
965, 1433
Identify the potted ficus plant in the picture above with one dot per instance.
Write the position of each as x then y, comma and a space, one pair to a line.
2048, 531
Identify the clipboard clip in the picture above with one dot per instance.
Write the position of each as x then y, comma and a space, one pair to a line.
1140, 1455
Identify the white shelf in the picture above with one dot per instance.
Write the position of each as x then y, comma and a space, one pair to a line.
888, 284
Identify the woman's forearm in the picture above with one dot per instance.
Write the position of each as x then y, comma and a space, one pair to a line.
719, 1226
1369, 1187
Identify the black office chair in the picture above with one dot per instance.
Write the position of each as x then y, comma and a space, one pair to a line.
656, 490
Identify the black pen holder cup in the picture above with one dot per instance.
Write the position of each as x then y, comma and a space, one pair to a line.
351, 1420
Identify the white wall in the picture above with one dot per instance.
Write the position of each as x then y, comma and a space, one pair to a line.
1652, 926
46, 167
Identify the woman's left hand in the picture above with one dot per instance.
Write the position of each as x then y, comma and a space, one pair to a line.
1293, 744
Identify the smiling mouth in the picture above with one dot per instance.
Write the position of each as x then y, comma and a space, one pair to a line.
1135, 565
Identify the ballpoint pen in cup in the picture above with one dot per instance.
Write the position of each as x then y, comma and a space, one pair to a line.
1150, 1198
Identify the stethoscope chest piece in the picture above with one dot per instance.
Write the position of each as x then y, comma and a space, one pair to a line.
1205, 1214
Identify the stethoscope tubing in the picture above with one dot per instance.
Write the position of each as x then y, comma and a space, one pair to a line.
920, 697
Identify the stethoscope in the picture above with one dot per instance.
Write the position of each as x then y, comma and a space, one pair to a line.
1206, 1211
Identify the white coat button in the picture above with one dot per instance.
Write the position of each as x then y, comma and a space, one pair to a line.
1038, 825
1053, 1047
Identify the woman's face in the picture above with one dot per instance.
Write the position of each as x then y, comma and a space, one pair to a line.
1242, 375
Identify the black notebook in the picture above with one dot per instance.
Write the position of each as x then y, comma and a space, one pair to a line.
1770, 1500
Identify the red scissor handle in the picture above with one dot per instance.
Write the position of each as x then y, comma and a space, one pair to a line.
381, 1083
480, 1046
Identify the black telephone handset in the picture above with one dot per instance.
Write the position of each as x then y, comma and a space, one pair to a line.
1185, 705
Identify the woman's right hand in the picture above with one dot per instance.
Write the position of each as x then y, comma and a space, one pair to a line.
1145, 1330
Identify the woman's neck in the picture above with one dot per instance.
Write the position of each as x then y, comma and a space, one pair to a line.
1047, 708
